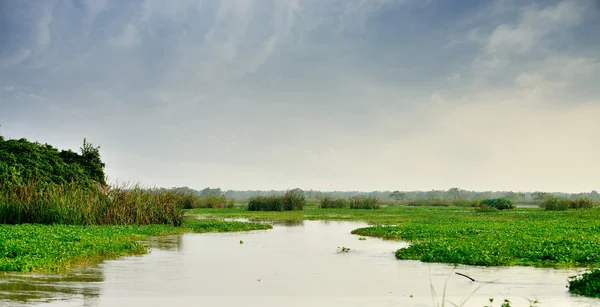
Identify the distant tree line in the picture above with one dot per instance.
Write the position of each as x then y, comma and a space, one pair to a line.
450, 194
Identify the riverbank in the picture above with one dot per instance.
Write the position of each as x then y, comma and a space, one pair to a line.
44, 248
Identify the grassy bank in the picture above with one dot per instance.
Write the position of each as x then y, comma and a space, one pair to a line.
28, 247
462, 235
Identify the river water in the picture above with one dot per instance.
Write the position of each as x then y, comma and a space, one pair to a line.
294, 264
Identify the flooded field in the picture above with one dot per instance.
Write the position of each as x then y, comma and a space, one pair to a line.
294, 264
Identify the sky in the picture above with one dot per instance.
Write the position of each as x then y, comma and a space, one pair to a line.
317, 94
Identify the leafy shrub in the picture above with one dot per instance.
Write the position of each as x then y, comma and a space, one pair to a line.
555, 203
328, 202
364, 202
498, 203
581, 203
587, 284
291, 200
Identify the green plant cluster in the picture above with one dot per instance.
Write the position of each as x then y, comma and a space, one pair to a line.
587, 284
22, 162
27, 247
497, 203
329, 202
290, 201
554, 203
72, 204
524, 237
191, 201
364, 202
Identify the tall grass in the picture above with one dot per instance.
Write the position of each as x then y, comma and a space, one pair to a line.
73, 204
290, 201
329, 202
364, 202
560, 204
191, 201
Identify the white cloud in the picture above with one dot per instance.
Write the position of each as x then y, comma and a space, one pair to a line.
44, 36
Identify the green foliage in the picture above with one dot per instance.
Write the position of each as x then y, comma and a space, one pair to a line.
364, 202
554, 203
290, 201
581, 203
74, 204
498, 203
25, 248
587, 284
328, 202
22, 161
397, 195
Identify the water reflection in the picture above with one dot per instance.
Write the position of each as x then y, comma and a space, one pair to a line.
82, 282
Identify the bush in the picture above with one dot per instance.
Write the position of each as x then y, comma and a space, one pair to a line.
333, 203
587, 284
215, 202
364, 202
290, 201
498, 203
555, 203
581, 203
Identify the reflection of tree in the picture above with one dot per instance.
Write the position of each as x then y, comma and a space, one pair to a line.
77, 283
168, 243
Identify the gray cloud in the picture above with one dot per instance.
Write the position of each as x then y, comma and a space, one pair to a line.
318, 94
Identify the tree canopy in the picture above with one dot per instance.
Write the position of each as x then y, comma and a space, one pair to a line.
22, 161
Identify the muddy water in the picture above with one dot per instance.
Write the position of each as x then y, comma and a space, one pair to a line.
290, 265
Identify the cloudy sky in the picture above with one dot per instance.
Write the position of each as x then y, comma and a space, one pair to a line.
322, 94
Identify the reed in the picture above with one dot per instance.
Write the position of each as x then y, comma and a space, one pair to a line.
74, 204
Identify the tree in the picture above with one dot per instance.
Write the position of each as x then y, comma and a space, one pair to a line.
455, 193
397, 195
540, 195
211, 192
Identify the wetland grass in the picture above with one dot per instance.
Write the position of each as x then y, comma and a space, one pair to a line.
73, 204
290, 201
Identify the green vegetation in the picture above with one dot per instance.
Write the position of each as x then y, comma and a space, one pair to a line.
554, 203
364, 202
25, 248
329, 202
587, 284
444, 202
22, 162
292, 200
73, 204
60, 198
497, 203
191, 201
